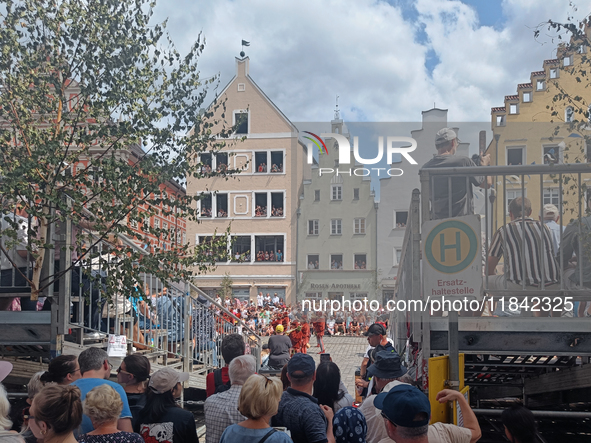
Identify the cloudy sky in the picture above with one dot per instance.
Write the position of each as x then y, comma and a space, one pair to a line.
387, 60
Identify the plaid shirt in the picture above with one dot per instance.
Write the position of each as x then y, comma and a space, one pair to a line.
221, 411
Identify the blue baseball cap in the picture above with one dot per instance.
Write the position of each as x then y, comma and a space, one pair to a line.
303, 363
402, 404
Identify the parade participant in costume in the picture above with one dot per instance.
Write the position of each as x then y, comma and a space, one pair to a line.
296, 337
319, 326
305, 334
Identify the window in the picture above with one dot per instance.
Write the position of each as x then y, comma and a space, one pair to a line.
314, 295
568, 60
260, 162
512, 194
356, 194
165, 226
133, 223
569, 114
276, 204
156, 223
179, 236
214, 248
336, 261
551, 155
397, 255
269, 248
260, 201
551, 195
554, 73
359, 226
540, 85
205, 201
221, 201
206, 165
335, 296
276, 161
513, 108
357, 295
501, 120
317, 195
241, 122
184, 238
221, 162
312, 227
360, 261
514, 156
146, 223
527, 97
313, 261
335, 227
241, 249
336, 192
582, 49
400, 219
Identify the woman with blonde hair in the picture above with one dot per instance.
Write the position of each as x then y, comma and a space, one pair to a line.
55, 413
258, 402
103, 406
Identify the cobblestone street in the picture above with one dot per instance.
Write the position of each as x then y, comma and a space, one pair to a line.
346, 352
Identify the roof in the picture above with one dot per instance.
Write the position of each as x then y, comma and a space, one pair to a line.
538, 74
525, 85
511, 97
500, 109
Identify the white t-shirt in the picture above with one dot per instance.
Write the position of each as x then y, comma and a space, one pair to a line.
275, 300
260, 300
442, 433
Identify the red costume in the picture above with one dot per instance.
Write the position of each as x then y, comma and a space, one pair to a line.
305, 336
296, 338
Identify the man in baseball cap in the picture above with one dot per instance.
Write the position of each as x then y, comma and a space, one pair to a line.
299, 411
406, 412
378, 341
460, 202
549, 217
166, 379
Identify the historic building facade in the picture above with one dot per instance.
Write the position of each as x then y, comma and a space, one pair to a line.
336, 230
260, 203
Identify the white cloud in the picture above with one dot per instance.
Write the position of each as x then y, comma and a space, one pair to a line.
304, 53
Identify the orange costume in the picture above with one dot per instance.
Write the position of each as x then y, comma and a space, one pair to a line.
296, 338
305, 336
285, 322
319, 326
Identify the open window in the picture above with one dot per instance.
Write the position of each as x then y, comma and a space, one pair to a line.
551, 155
241, 122
221, 162
241, 249
540, 85
260, 202
260, 162
222, 205
277, 204
206, 162
400, 219
515, 156
269, 248
336, 261
360, 261
205, 205
501, 120
313, 261
214, 248
276, 161
569, 114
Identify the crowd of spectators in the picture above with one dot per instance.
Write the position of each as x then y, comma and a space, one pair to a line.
269, 255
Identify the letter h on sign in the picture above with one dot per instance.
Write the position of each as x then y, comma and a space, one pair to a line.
456, 246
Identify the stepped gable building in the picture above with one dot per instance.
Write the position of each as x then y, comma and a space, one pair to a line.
259, 203
545, 121
336, 230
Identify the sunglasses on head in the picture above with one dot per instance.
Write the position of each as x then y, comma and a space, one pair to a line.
386, 417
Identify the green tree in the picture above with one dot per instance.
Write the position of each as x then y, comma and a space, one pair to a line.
226, 287
96, 112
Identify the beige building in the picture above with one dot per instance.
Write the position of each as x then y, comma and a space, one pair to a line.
260, 203
546, 121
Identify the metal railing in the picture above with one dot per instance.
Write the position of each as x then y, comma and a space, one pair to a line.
180, 323
412, 333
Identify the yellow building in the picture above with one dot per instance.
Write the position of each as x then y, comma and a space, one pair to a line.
546, 121
260, 203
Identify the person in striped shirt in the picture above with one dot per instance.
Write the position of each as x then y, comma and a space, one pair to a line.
526, 245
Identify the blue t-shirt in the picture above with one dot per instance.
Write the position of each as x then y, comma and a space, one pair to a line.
86, 385
240, 434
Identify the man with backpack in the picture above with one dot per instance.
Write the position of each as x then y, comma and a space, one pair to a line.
219, 380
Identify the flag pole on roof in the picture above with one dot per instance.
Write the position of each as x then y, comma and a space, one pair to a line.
244, 43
